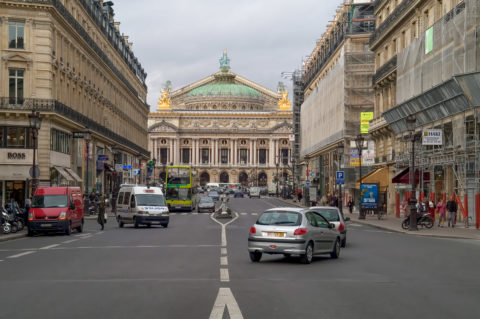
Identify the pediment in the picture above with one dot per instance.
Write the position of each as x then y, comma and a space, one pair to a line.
162, 127
284, 127
17, 57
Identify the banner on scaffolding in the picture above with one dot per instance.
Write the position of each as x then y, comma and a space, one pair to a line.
432, 137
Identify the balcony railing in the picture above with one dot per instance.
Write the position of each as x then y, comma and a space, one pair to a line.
385, 69
49, 105
392, 19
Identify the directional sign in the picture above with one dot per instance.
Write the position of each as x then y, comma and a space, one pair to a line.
312, 174
307, 184
340, 177
102, 157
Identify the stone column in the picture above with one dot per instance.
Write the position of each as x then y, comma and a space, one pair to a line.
255, 157
170, 152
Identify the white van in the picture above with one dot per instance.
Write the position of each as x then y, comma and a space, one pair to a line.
142, 205
212, 185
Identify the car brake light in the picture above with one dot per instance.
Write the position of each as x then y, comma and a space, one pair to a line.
253, 230
31, 216
341, 226
300, 231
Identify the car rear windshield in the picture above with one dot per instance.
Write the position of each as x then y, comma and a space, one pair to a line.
206, 200
330, 214
150, 200
45, 201
280, 218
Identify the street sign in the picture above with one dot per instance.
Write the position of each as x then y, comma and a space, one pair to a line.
291, 137
136, 171
307, 184
37, 172
118, 167
77, 134
312, 174
340, 177
102, 157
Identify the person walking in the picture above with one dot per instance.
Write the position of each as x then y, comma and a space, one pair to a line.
350, 204
101, 213
451, 212
299, 196
441, 209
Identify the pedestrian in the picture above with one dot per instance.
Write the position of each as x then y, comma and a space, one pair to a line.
323, 200
451, 212
441, 208
350, 204
101, 213
299, 196
334, 201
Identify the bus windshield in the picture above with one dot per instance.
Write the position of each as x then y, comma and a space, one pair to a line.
178, 175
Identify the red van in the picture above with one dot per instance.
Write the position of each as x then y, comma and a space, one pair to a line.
56, 209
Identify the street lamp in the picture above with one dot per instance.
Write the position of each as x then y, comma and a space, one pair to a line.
292, 160
277, 164
410, 123
35, 124
139, 157
359, 144
340, 150
87, 136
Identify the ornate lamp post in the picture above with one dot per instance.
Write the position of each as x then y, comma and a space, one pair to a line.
340, 150
87, 136
292, 160
410, 122
35, 124
359, 144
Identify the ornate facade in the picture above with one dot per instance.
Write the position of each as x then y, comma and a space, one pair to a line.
68, 61
226, 127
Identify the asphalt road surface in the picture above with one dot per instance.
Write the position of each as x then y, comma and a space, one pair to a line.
199, 268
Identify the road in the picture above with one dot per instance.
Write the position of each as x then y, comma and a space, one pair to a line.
197, 268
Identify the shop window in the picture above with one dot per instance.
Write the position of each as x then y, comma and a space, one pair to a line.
16, 30
16, 137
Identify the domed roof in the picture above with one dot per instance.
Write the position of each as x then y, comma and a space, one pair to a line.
224, 89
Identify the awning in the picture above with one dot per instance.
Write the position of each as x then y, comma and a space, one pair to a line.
404, 177
74, 175
62, 172
380, 176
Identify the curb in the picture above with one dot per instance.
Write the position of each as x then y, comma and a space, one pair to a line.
8, 237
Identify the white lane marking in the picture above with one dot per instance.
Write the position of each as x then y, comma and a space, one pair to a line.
1, 259
254, 214
243, 213
224, 277
225, 299
224, 261
21, 254
223, 251
51, 246
224, 233
195, 213
69, 241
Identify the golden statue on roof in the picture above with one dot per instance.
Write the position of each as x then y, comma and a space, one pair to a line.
164, 101
284, 103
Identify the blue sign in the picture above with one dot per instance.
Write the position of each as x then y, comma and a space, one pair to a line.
149, 170
340, 178
148, 179
369, 196
102, 157
307, 184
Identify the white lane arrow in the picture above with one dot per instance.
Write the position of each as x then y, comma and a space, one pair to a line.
225, 299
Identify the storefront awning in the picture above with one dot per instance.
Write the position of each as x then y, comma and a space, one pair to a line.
380, 176
74, 175
404, 177
62, 172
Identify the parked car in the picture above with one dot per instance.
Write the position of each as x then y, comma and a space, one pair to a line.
214, 195
293, 231
263, 190
238, 194
206, 204
229, 191
56, 209
332, 214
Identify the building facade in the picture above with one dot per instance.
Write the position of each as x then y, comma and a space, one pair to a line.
426, 56
337, 79
226, 127
67, 61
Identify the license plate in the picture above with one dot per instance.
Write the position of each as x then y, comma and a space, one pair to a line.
178, 207
46, 225
275, 234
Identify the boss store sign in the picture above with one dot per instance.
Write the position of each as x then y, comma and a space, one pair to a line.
9, 156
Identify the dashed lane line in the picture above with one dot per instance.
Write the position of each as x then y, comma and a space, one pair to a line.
50, 246
22, 254
224, 276
69, 241
254, 214
224, 261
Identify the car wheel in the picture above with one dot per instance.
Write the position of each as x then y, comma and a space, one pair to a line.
344, 242
164, 225
255, 256
308, 256
80, 228
120, 223
336, 249
68, 231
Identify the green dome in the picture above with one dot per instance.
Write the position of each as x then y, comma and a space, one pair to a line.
225, 89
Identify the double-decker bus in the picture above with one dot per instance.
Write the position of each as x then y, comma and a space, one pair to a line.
178, 188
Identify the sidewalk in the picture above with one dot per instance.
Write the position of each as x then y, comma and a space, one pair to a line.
392, 223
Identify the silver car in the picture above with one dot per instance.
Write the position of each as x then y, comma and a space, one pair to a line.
293, 231
332, 214
206, 204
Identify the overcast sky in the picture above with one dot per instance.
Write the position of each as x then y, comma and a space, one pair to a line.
182, 40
